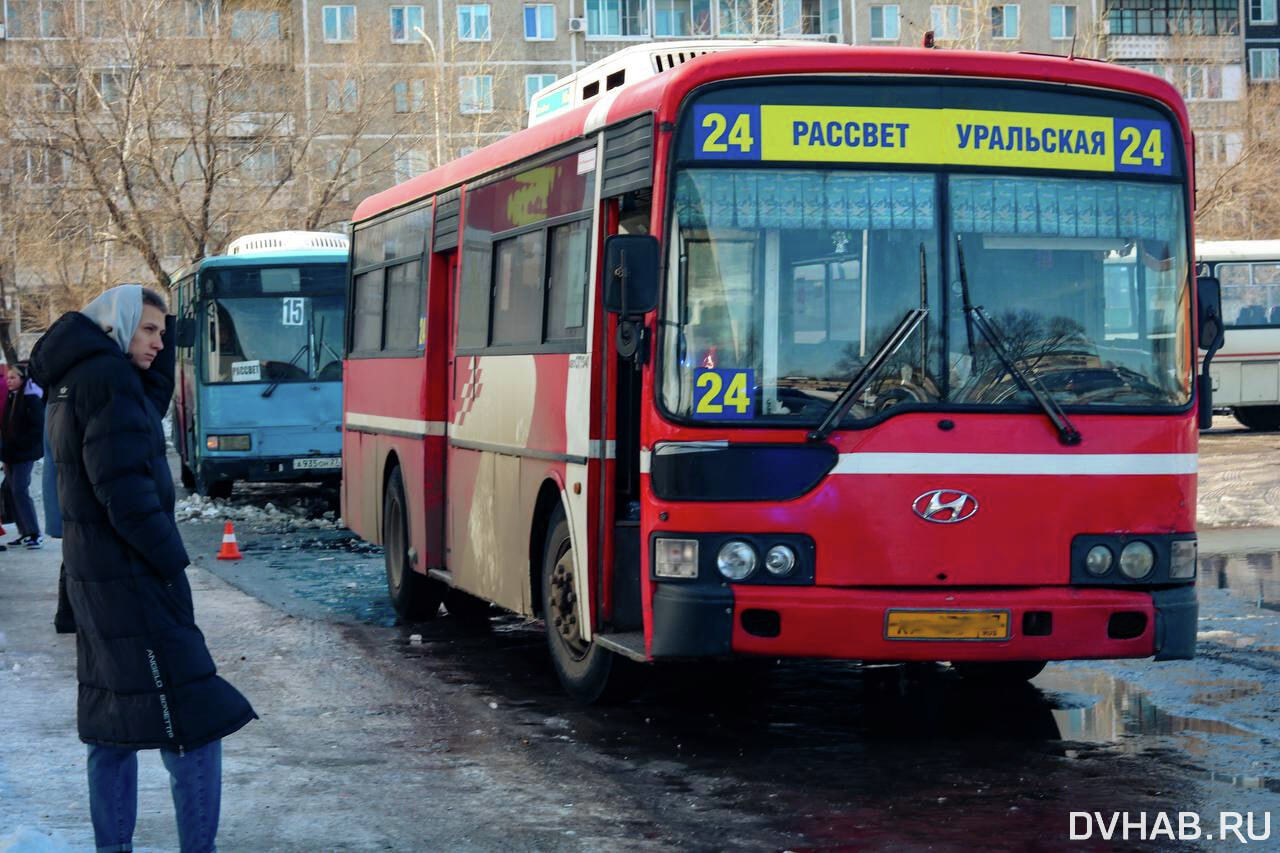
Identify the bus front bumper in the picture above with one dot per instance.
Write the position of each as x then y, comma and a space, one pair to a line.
267, 468
1043, 623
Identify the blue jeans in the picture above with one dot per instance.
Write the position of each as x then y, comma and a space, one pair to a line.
49, 478
18, 483
195, 779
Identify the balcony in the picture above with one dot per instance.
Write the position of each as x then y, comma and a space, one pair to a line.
1135, 48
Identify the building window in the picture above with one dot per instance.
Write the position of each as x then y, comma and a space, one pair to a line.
682, 17
54, 91
255, 25
617, 18
884, 23
407, 24
473, 22
534, 82
1264, 64
410, 96
39, 166
1262, 11
539, 22
1173, 17
341, 96
1004, 22
409, 164
810, 17
111, 87
38, 18
339, 23
738, 18
475, 94
945, 21
1062, 22
191, 19
1202, 82
1217, 149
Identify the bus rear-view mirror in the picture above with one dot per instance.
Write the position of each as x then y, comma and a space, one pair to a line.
184, 332
630, 274
1209, 312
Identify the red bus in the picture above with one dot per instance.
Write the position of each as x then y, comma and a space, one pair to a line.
811, 351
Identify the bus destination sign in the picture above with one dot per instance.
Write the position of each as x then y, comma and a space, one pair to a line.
945, 137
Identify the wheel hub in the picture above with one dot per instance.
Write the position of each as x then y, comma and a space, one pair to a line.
563, 604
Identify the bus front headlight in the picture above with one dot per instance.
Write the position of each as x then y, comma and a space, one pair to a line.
228, 442
736, 560
1137, 560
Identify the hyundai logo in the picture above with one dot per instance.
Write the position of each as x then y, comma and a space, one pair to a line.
945, 506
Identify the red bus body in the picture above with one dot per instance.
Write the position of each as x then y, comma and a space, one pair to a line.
488, 445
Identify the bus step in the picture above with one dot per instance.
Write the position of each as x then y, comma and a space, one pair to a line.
630, 644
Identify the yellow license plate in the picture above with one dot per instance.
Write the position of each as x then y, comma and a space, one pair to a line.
947, 625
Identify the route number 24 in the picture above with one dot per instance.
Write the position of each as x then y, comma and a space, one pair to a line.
723, 393
1138, 152
739, 134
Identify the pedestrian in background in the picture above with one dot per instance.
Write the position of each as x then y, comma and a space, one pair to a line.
21, 446
147, 680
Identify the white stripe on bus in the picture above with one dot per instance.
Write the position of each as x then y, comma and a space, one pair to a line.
1057, 464
1077, 464
408, 425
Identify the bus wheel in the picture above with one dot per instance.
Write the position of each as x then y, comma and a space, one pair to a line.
996, 673
415, 597
583, 667
1258, 418
205, 487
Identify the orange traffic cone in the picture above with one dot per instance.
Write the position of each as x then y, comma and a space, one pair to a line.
230, 550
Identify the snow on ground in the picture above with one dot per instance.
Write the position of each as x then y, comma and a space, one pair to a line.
1239, 482
292, 516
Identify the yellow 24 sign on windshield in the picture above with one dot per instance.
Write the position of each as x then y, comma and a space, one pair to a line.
723, 394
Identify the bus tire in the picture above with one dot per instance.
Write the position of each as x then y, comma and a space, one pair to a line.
1258, 418
999, 673
207, 488
585, 669
415, 597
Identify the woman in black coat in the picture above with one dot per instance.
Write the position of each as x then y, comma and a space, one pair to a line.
21, 446
146, 678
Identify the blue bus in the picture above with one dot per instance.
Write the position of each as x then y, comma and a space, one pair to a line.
259, 337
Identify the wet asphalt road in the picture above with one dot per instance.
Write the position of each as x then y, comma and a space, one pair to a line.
819, 755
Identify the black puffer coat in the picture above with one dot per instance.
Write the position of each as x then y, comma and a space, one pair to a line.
22, 428
146, 677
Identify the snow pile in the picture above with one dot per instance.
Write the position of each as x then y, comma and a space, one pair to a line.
292, 517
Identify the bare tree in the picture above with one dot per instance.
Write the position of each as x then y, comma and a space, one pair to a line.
169, 134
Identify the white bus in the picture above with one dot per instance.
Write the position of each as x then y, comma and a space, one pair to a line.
1246, 371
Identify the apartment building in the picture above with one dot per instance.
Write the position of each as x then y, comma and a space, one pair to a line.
1262, 41
377, 91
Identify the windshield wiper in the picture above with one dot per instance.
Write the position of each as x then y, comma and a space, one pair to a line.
1067, 434
293, 362
868, 372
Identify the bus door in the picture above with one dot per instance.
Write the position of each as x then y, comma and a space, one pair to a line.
631, 214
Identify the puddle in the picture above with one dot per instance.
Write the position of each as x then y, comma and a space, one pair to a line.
1115, 711
1253, 577
829, 749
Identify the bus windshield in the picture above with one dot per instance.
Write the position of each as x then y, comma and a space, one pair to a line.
287, 338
